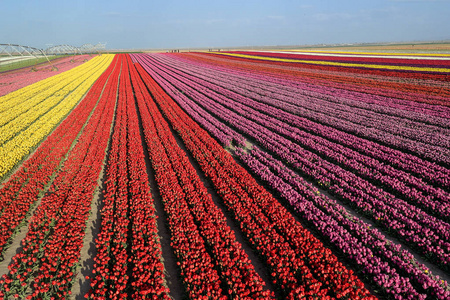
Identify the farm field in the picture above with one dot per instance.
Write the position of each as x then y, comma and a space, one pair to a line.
227, 175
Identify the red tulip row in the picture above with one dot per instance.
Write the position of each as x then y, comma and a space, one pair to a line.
128, 259
199, 229
46, 266
300, 265
24, 187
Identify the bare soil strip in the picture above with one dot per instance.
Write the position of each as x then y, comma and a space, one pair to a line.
81, 285
16, 245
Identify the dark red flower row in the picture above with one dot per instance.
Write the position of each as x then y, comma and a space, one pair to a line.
128, 242
49, 258
357, 70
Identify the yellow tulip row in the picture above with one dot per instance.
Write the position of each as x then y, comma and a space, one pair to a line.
24, 98
41, 93
29, 128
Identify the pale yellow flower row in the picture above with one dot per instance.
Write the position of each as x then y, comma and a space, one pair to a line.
372, 53
340, 64
46, 112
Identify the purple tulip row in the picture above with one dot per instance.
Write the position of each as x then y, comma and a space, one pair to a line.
319, 94
426, 233
392, 98
434, 200
430, 172
325, 106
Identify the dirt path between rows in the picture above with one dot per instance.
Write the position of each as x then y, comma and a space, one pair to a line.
81, 285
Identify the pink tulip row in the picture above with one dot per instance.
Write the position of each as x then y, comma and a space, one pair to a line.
299, 263
14, 80
47, 263
128, 256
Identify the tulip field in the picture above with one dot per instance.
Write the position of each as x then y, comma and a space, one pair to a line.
227, 175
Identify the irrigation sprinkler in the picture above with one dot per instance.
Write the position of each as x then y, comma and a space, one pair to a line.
11, 53
16, 53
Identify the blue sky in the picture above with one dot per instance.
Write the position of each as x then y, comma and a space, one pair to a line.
172, 24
